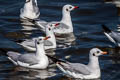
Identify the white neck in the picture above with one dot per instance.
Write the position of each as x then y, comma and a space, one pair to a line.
40, 51
52, 36
66, 19
94, 64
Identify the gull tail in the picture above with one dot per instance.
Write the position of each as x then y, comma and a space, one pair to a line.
13, 55
55, 60
107, 30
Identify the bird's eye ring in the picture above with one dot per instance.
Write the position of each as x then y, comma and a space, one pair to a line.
98, 51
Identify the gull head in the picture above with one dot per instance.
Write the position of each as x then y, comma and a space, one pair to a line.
69, 7
40, 40
96, 52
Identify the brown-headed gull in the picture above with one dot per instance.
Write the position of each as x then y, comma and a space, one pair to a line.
49, 44
65, 26
36, 60
30, 10
112, 35
78, 70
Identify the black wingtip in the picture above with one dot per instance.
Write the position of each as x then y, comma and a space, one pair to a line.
19, 41
106, 29
55, 60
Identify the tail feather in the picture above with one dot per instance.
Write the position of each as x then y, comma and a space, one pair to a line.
55, 60
106, 29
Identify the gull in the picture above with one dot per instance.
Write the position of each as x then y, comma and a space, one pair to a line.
65, 26
30, 10
78, 70
37, 60
48, 44
112, 35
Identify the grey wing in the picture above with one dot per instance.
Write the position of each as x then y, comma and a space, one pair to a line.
115, 36
30, 43
28, 58
13, 55
80, 68
76, 67
48, 43
62, 26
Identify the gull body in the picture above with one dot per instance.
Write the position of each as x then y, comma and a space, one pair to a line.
82, 71
48, 44
65, 26
37, 60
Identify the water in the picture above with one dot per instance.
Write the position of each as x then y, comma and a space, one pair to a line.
87, 22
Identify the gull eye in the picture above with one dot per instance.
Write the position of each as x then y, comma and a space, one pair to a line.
51, 25
38, 43
40, 39
70, 7
98, 51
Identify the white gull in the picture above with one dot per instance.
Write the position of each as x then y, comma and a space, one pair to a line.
78, 70
36, 60
48, 44
65, 26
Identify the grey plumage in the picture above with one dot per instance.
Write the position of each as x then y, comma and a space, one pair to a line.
32, 44
62, 25
48, 43
13, 55
112, 35
75, 67
28, 58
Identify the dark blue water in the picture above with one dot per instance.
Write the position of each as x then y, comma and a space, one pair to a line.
87, 22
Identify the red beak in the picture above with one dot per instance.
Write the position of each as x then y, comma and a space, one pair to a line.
57, 24
104, 52
46, 37
75, 7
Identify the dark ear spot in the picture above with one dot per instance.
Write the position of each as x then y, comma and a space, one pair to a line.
66, 9
93, 54
49, 29
38, 43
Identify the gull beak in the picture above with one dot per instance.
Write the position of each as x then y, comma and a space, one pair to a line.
75, 7
57, 24
46, 38
104, 52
